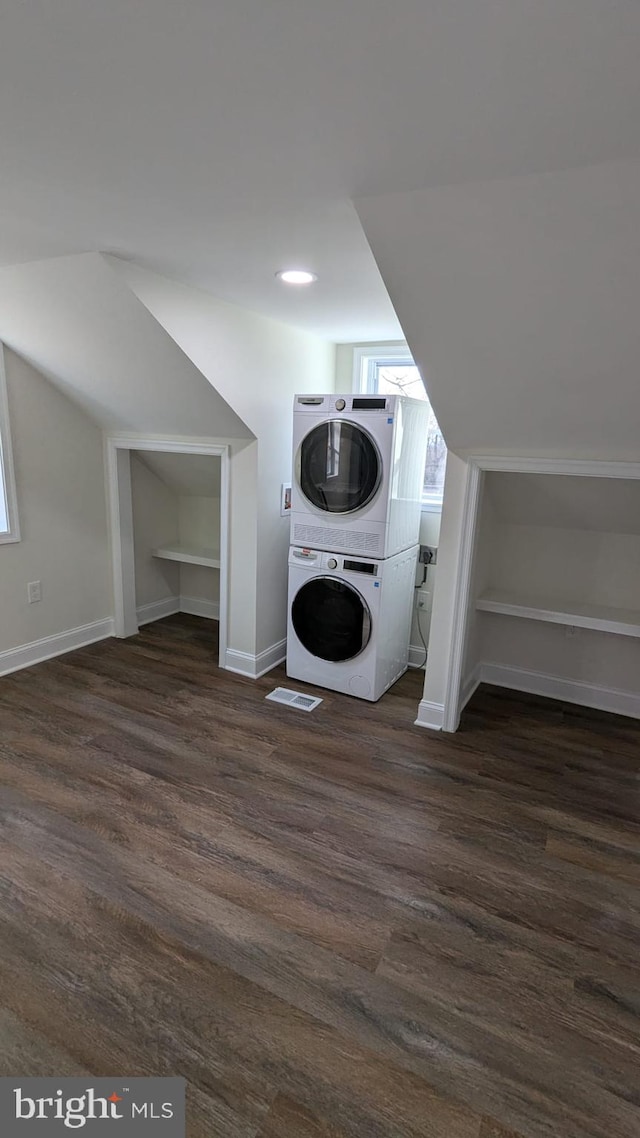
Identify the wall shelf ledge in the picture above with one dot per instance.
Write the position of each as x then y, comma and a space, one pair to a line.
601, 618
189, 555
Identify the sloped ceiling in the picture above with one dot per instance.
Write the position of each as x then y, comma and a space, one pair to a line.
77, 321
599, 505
215, 141
519, 298
245, 356
491, 147
188, 475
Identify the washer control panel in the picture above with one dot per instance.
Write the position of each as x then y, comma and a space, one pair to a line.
320, 559
368, 567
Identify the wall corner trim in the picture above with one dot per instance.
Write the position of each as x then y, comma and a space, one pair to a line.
470, 684
168, 606
199, 606
468, 527
430, 715
156, 610
255, 666
416, 656
13, 659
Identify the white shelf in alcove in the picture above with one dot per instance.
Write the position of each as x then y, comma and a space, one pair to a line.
601, 618
189, 555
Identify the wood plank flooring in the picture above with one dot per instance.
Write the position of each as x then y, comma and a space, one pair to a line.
334, 925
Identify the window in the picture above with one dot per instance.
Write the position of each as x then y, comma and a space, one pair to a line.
8, 509
388, 369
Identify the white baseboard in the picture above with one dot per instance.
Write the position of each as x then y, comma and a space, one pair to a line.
156, 610
199, 606
255, 666
416, 656
570, 691
194, 606
430, 715
38, 650
470, 684
271, 657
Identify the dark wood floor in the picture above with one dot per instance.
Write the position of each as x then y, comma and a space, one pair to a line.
333, 924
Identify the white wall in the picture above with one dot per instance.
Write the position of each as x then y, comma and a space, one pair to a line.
243, 548
443, 612
61, 501
567, 565
165, 515
257, 365
480, 582
599, 659
155, 523
199, 525
429, 535
575, 558
344, 368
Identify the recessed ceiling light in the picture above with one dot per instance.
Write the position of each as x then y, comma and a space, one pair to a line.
296, 276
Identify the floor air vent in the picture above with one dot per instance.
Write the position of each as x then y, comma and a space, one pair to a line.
294, 699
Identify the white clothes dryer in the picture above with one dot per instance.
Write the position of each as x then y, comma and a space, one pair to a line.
349, 620
358, 470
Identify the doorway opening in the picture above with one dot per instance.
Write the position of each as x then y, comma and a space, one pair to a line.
168, 511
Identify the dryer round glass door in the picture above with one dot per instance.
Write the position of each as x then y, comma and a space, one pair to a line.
331, 620
340, 467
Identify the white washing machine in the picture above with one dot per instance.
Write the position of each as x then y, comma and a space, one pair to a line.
349, 619
358, 470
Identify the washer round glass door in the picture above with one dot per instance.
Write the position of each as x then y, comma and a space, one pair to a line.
340, 467
331, 619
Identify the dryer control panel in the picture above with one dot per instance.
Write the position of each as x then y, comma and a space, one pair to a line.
345, 404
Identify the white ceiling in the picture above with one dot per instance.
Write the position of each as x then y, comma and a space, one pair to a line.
218, 142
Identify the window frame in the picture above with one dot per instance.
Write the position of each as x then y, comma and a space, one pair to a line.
7, 472
366, 359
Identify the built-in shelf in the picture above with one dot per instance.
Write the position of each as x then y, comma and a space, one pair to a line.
189, 555
602, 618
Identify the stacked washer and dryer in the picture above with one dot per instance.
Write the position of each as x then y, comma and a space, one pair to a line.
358, 469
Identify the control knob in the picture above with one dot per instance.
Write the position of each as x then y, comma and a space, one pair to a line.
332, 563
340, 404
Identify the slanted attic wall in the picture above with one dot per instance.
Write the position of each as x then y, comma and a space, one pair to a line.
257, 365
76, 321
519, 300
79, 323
